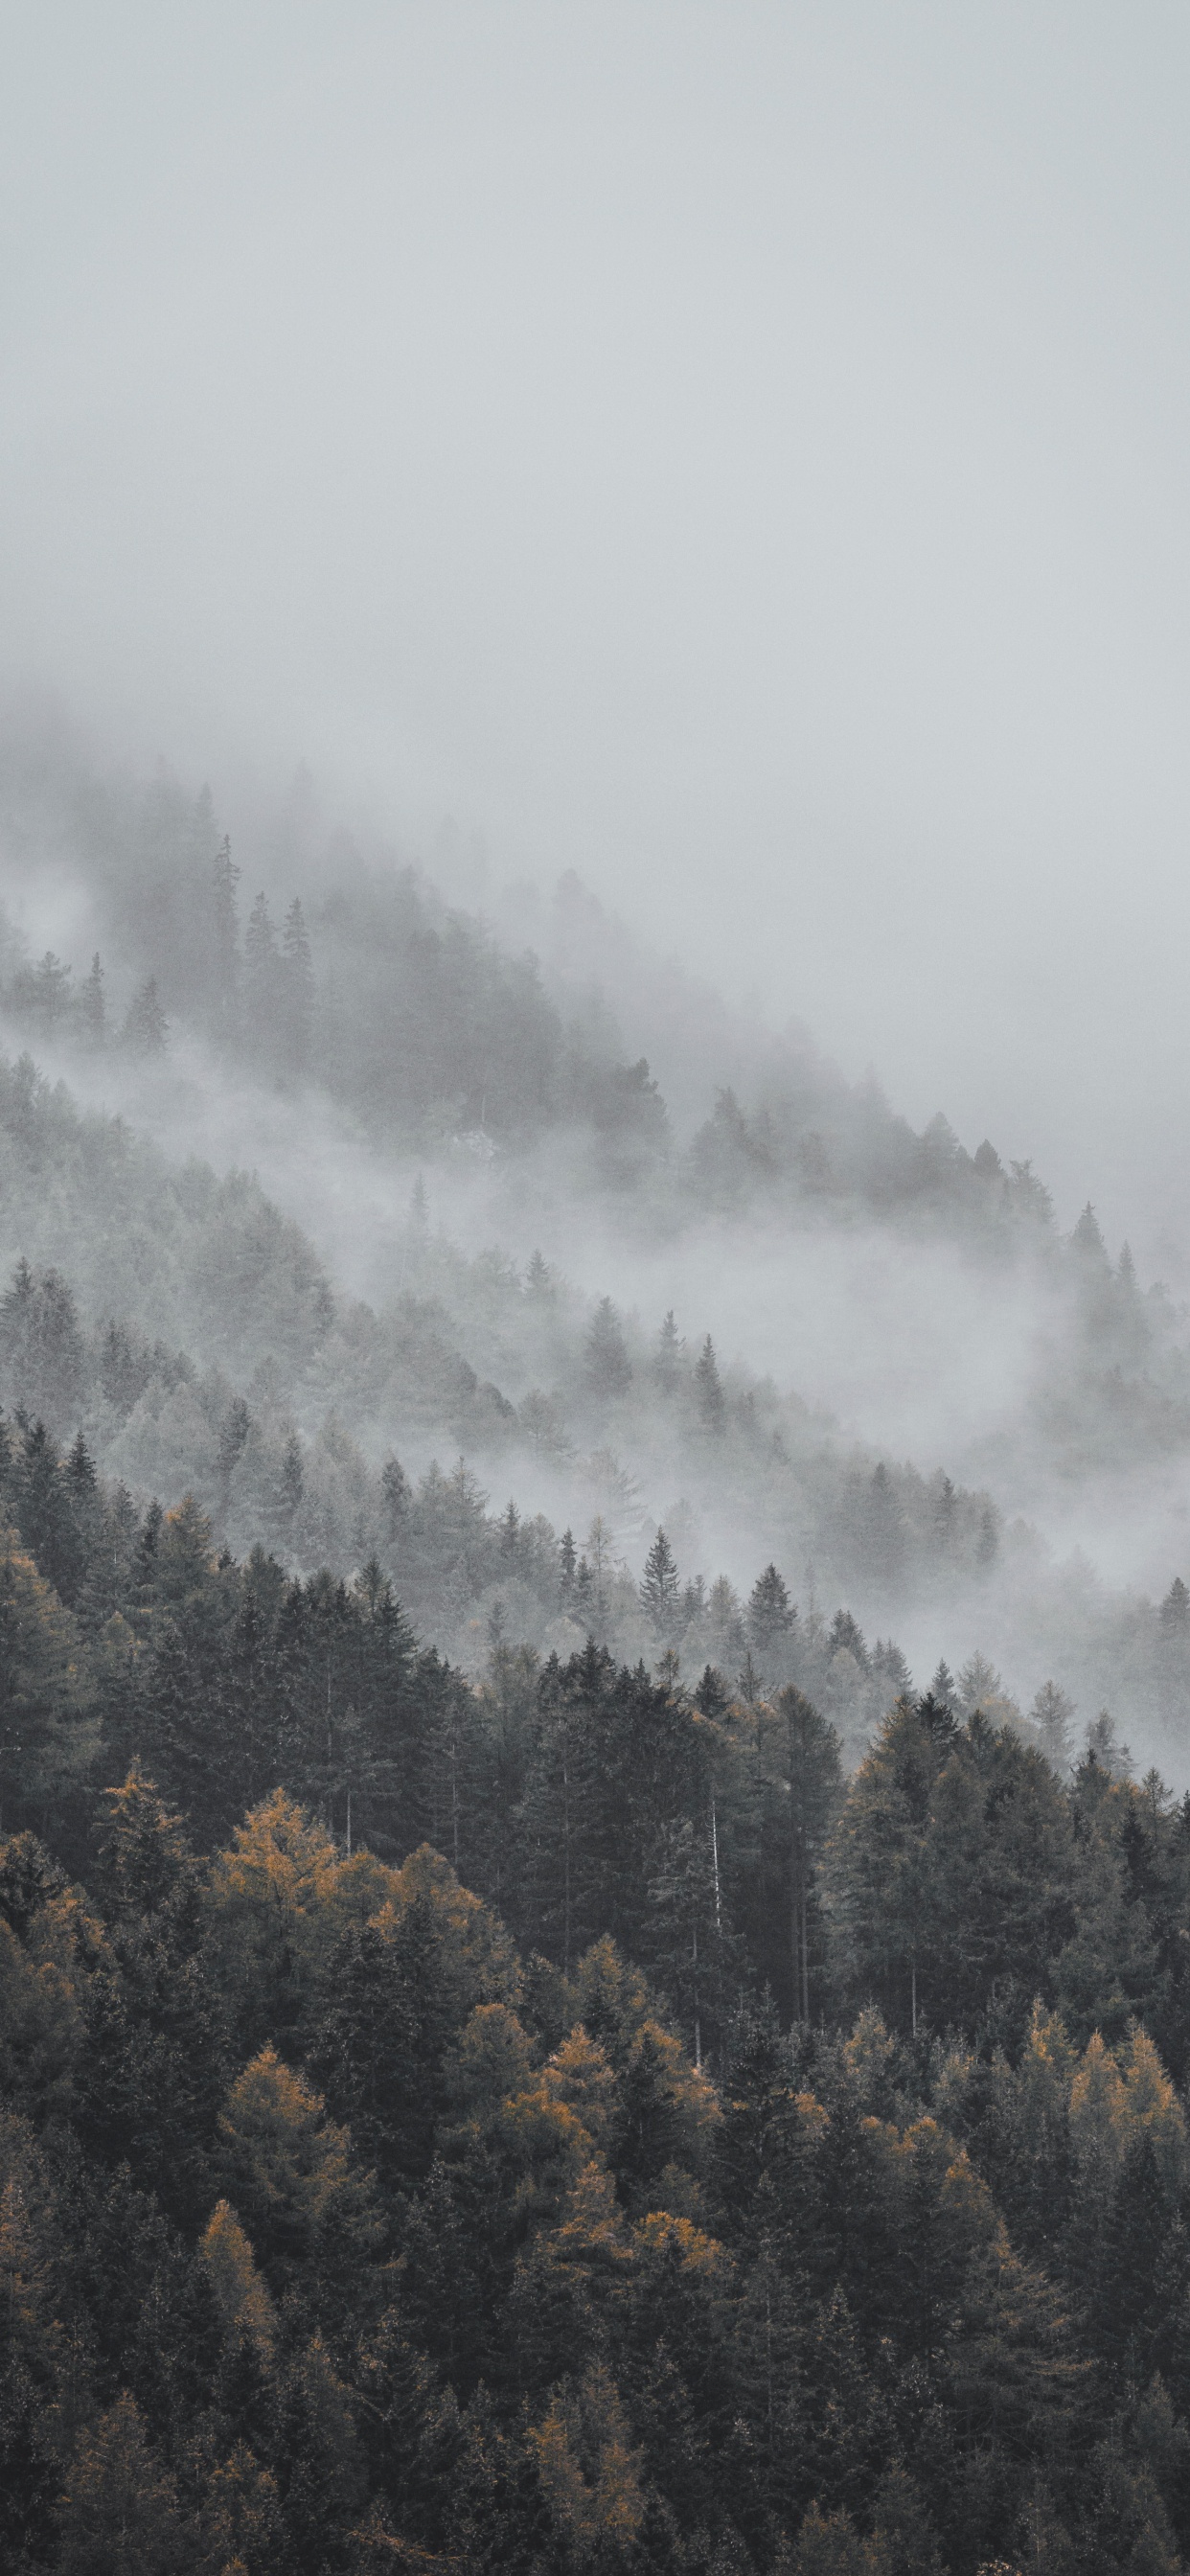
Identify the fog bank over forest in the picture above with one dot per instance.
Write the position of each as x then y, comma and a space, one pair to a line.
569, 1227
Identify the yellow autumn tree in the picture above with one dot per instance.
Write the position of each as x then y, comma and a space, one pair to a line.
268, 1902
590, 2474
1098, 2121
245, 2309
289, 2170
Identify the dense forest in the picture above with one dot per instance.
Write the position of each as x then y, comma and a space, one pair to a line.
531, 2039
565, 2121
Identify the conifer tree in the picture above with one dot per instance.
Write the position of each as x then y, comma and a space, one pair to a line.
1175, 1609
608, 1367
394, 1487
262, 970
1051, 1713
49, 994
771, 1619
711, 1404
146, 1029
660, 1588
297, 989
91, 1005
669, 1355
226, 940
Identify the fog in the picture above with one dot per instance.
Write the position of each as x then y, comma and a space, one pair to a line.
705, 489
736, 454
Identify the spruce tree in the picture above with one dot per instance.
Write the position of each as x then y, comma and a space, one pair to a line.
91, 1005
226, 940
608, 1367
297, 989
1051, 1713
711, 1405
669, 1355
146, 1029
771, 1618
261, 979
660, 1588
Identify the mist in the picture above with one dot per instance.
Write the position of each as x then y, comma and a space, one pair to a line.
594, 1288
701, 503
732, 459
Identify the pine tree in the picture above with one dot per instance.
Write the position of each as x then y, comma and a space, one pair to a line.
291, 1484
226, 940
1087, 1239
92, 1007
50, 996
978, 1682
771, 1619
153, 2073
297, 989
394, 1487
669, 1356
1051, 1713
146, 1029
1175, 1609
41, 1345
608, 1367
1105, 1748
711, 1404
660, 1586
847, 1637
234, 1432
261, 979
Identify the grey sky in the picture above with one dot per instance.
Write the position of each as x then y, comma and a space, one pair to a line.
741, 452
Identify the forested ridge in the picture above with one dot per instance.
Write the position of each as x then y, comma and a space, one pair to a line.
561, 2120
520, 2050
191, 1331
318, 957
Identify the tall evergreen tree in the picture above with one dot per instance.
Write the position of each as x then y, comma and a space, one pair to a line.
711, 1403
91, 1005
660, 1589
771, 1620
297, 989
669, 1356
608, 1367
226, 940
146, 1029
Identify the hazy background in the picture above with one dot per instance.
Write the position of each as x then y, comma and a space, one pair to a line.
737, 451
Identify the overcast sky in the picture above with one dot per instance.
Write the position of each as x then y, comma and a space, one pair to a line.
741, 452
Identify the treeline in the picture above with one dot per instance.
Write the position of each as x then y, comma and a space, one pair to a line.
356, 975
580, 1794
152, 1416
341, 2231
207, 1351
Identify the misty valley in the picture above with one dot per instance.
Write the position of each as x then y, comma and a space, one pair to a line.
594, 1758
